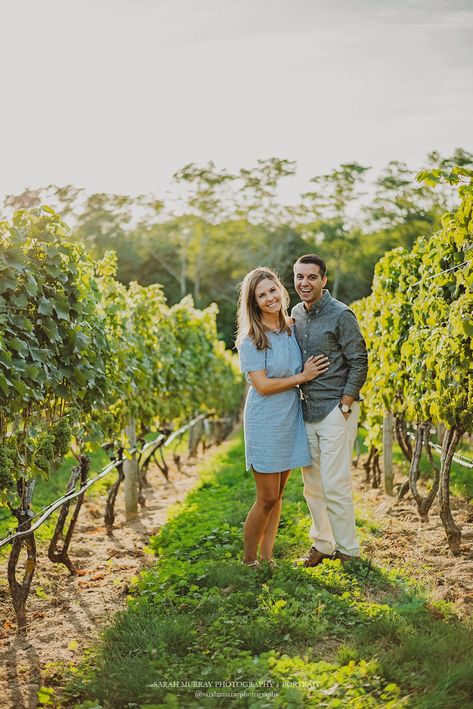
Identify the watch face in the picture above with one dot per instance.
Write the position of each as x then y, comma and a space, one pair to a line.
345, 408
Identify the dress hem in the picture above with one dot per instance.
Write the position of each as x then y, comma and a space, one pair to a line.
249, 466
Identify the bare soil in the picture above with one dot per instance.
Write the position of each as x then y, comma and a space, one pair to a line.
66, 613
419, 548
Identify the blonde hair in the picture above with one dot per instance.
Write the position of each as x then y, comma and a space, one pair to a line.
249, 314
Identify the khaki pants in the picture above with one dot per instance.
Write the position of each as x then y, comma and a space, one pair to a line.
327, 482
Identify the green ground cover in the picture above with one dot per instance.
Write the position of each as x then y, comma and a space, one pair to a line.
332, 636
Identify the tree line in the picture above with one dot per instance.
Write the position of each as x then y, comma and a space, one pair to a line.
214, 225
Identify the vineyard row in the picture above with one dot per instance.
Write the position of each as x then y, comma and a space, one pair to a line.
84, 358
418, 325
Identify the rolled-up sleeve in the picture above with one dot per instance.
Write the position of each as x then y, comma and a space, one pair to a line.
354, 352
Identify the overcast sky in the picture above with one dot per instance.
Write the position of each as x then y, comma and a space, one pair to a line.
115, 95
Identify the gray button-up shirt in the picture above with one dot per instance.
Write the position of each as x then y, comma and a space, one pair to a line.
330, 328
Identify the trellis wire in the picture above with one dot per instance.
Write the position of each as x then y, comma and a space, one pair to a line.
49, 509
447, 270
460, 459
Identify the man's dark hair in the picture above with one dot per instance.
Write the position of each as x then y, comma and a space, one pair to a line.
313, 258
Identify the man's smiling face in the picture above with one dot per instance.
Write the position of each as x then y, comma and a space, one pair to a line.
308, 283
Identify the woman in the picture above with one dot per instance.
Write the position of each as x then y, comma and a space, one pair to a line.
275, 439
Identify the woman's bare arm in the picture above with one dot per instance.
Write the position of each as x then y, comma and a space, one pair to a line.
265, 385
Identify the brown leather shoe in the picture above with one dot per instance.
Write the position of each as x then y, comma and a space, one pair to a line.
314, 557
345, 558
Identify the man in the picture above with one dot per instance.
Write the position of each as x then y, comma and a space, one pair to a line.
324, 325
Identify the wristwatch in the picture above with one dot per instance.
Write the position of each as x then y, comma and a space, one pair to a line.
344, 408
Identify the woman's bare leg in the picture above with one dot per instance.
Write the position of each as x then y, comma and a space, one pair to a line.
269, 534
267, 493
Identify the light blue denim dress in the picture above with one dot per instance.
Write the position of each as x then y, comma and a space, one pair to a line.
275, 437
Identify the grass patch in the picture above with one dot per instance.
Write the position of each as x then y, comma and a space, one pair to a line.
290, 637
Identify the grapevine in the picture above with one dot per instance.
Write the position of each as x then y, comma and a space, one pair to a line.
6, 469
61, 433
418, 324
43, 453
82, 355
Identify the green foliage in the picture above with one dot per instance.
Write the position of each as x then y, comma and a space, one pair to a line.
43, 453
418, 325
81, 354
52, 345
7, 469
61, 432
309, 637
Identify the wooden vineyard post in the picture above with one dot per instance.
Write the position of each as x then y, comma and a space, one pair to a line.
388, 452
130, 468
195, 436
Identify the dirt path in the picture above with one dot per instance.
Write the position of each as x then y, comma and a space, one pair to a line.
65, 613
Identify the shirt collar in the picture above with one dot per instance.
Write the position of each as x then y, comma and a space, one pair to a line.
320, 304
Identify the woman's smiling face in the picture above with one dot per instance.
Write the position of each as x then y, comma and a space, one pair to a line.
268, 297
